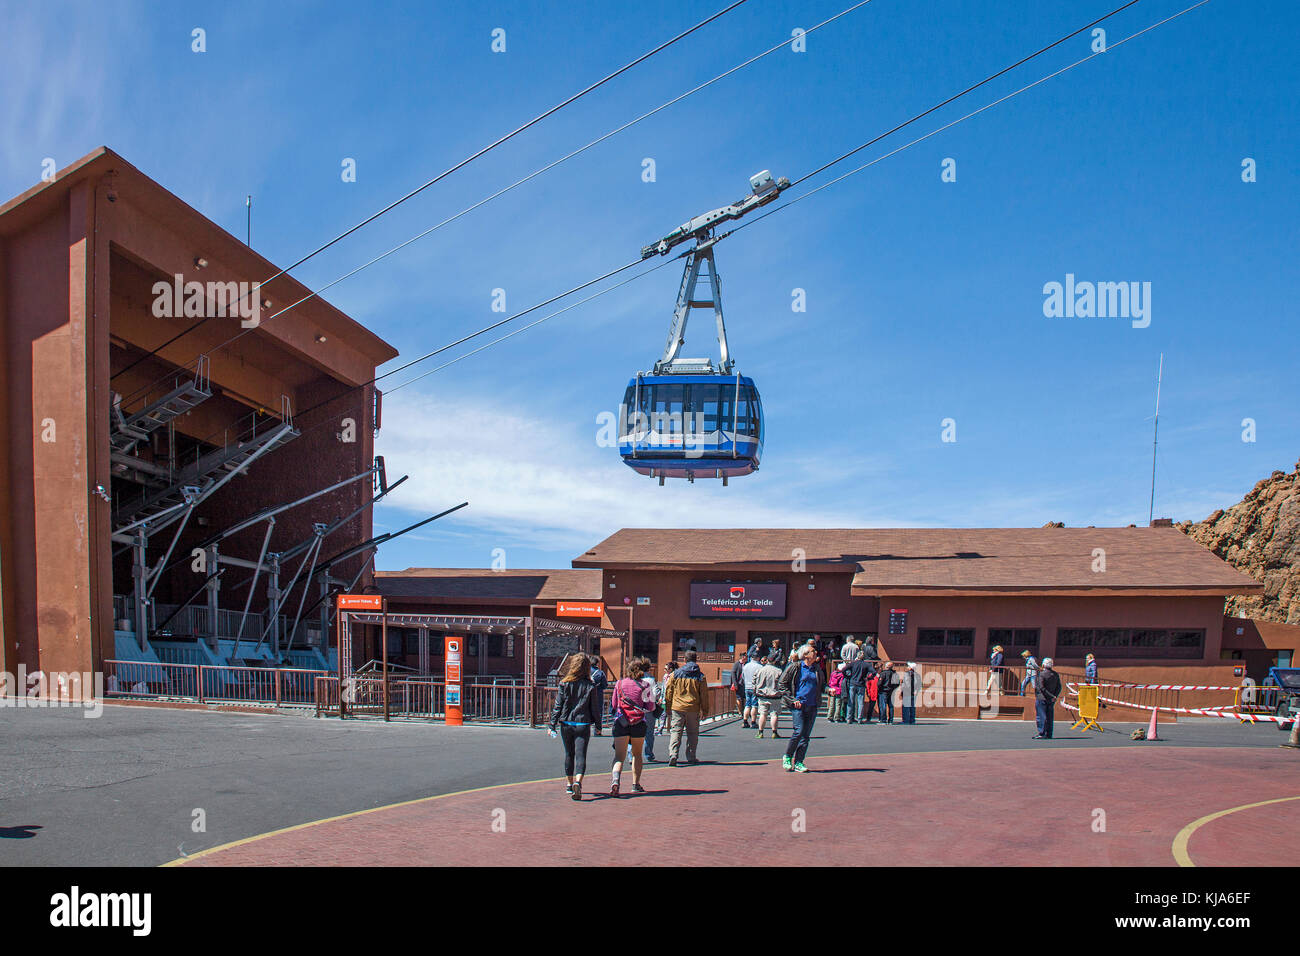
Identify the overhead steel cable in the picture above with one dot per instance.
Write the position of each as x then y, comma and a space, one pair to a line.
460, 165
525, 328
785, 205
962, 119
762, 216
466, 338
957, 96
519, 182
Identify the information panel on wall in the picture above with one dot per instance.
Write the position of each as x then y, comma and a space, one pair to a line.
726, 599
898, 620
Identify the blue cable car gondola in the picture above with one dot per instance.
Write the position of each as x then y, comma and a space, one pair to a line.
691, 426
689, 418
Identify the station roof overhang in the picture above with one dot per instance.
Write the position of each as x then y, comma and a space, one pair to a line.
160, 235
475, 624
1054, 592
950, 562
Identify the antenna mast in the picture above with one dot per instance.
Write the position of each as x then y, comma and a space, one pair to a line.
1155, 436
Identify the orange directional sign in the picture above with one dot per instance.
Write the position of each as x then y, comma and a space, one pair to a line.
453, 711
361, 602
579, 608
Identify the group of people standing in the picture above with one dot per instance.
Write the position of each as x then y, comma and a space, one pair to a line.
860, 687
639, 705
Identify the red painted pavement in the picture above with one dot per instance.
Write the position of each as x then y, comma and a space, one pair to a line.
1023, 807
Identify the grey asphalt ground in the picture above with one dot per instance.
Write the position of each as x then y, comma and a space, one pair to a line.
121, 790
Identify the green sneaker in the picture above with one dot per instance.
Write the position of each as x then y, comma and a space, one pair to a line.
786, 763
759, 735
800, 768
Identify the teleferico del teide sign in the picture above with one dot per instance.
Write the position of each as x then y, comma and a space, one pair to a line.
726, 599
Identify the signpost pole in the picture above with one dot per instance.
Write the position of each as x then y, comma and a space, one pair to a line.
383, 636
454, 714
338, 643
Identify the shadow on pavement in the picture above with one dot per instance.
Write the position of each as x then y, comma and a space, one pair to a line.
850, 770
24, 832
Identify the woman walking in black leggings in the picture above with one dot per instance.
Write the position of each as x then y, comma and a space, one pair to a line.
577, 708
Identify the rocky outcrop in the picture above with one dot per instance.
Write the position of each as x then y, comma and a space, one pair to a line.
1260, 535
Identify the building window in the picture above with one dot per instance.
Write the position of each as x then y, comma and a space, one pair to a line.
946, 642
706, 642
646, 644
1014, 638
1129, 642
496, 645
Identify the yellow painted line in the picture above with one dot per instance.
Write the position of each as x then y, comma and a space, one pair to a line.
1185, 834
181, 861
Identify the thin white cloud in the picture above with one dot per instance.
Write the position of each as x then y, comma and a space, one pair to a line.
548, 483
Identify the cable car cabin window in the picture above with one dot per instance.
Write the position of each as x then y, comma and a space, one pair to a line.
726, 401
704, 408
666, 412
746, 412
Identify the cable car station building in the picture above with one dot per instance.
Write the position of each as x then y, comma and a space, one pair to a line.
136, 451
1146, 601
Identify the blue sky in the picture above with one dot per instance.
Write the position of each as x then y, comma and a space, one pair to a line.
924, 298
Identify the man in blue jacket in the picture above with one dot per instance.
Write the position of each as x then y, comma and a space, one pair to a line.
801, 688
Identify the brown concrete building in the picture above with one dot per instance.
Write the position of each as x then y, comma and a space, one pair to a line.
1260, 645
117, 420
1137, 597
1141, 599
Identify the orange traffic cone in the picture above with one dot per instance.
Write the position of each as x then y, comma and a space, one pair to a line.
1151, 730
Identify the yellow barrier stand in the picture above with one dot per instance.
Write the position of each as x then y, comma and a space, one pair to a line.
1088, 708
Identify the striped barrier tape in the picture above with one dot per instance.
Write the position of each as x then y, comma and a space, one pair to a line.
1173, 686
1205, 712
1219, 711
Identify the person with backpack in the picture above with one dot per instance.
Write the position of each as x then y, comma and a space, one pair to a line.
577, 709
801, 688
632, 701
748, 673
660, 688
886, 681
738, 688
1047, 690
652, 716
600, 680
835, 688
687, 699
855, 680
768, 695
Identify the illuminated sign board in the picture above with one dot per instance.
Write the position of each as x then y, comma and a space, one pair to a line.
579, 608
730, 600
361, 602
